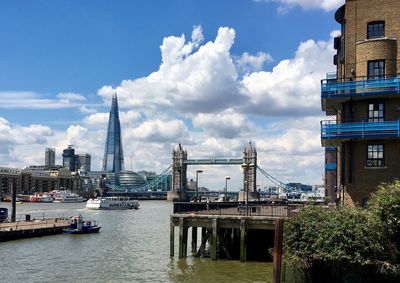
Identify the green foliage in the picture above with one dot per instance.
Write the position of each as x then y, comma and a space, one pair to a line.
346, 234
385, 204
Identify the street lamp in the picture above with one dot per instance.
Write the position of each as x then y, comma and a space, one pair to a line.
198, 171
226, 187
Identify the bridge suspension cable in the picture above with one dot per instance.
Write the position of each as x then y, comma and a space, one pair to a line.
155, 182
272, 178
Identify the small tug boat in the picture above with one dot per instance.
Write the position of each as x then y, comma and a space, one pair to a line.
78, 226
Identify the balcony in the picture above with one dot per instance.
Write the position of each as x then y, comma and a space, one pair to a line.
364, 87
360, 88
330, 130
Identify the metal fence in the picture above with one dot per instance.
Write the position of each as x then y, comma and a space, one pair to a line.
236, 208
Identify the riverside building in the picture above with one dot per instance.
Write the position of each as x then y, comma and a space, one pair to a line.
363, 97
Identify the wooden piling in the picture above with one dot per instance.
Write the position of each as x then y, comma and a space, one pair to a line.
194, 239
278, 250
243, 240
214, 242
171, 238
182, 238
13, 201
204, 238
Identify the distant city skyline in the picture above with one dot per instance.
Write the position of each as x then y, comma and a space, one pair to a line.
211, 74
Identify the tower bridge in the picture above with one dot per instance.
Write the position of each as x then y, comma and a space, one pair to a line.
180, 162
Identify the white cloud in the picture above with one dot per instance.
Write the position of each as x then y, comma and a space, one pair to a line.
227, 124
32, 100
292, 88
249, 63
198, 96
327, 5
190, 80
69, 96
128, 118
159, 131
205, 80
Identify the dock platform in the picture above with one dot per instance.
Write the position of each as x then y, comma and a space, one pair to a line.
32, 228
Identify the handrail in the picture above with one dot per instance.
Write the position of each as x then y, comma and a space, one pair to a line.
332, 129
360, 87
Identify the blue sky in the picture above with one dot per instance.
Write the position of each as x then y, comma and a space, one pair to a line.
245, 70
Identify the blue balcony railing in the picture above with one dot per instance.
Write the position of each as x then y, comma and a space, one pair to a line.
330, 166
360, 87
361, 130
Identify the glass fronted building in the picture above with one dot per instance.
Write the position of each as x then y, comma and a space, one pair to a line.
113, 160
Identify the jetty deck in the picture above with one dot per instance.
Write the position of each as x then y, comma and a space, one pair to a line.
32, 228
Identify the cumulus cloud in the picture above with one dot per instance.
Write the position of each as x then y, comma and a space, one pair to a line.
213, 101
327, 5
227, 124
101, 119
189, 79
159, 131
249, 63
194, 80
292, 88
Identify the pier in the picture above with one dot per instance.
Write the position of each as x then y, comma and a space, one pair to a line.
32, 228
252, 231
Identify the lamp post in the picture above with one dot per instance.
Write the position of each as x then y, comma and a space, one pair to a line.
226, 187
198, 171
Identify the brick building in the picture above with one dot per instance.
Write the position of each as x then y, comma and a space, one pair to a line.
364, 99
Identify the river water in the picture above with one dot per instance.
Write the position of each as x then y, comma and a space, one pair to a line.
132, 246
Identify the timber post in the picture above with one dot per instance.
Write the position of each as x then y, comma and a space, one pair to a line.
278, 250
243, 240
214, 242
194, 239
182, 238
171, 238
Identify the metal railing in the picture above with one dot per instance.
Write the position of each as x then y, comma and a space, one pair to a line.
334, 130
34, 224
360, 87
235, 208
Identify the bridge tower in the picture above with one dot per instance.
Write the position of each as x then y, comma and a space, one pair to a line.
249, 167
179, 179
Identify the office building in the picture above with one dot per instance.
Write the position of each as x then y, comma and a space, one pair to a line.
50, 157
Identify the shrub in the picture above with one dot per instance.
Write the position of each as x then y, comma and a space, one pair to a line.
385, 204
346, 234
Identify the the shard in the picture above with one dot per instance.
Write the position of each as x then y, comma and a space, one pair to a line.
113, 161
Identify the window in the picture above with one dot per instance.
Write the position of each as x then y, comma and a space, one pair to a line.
376, 69
376, 29
375, 112
375, 155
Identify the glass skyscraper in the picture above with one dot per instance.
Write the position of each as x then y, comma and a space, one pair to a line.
113, 161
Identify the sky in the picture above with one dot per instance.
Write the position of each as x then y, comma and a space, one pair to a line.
213, 75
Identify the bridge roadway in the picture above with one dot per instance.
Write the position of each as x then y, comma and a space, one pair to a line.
214, 161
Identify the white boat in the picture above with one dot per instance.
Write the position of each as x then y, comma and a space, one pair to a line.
112, 203
67, 196
39, 197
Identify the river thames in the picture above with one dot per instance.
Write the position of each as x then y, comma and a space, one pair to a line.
132, 246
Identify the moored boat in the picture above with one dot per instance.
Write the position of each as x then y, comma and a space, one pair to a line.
39, 197
112, 203
67, 196
78, 226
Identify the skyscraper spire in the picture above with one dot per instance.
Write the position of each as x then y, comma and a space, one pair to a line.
113, 160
